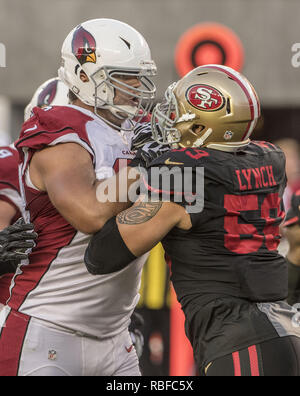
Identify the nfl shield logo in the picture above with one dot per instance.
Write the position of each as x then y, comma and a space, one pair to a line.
228, 135
52, 355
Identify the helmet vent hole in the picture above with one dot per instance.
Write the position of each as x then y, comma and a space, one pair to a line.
228, 107
197, 129
126, 42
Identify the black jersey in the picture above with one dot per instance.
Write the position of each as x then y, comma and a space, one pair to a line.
232, 246
231, 249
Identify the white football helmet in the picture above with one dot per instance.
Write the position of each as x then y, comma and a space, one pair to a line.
52, 92
105, 49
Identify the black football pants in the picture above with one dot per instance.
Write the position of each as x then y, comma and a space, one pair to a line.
277, 357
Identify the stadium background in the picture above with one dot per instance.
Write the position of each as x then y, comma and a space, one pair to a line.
32, 32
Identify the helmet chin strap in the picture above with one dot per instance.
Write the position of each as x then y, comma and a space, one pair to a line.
199, 142
229, 147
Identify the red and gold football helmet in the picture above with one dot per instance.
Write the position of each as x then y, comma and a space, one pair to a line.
212, 106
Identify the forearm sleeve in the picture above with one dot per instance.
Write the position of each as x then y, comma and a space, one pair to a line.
107, 252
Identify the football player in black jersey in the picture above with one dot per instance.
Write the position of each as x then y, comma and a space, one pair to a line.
219, 224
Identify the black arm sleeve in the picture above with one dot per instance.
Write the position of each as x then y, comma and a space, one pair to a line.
107, 252
294, 283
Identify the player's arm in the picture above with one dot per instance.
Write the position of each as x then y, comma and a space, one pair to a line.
132, 233
66, 173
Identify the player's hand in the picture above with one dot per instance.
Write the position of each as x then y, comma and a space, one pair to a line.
149, 152
136, 335
15, 240
142, 134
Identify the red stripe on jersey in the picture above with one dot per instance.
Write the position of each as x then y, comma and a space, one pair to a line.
254, 361
11, 343
237, 364
5, 282
40, 261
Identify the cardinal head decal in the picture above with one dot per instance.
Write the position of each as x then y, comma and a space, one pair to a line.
47, 95
84, 46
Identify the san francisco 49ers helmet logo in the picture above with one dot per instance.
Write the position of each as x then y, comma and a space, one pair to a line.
204, 97
84, 46
47, 95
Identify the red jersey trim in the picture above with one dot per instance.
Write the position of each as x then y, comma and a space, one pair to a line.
28, 281
11, 343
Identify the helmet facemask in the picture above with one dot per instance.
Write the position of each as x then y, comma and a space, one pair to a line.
107, 82
164, 118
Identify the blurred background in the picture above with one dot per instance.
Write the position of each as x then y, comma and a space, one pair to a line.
257, 37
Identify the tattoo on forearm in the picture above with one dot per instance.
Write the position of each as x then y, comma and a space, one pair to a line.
139, 214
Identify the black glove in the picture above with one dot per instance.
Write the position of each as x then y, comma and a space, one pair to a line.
136, 335
142, 134
14, 242
149, 153
147, 148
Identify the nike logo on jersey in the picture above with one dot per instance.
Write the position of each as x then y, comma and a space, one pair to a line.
129, 349
169, 162
31, 129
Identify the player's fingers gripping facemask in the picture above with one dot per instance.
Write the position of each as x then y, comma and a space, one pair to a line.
147, 148
109, 52
52, 92
212, 106
142, 134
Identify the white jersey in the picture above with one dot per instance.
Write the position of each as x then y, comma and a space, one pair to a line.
55, 285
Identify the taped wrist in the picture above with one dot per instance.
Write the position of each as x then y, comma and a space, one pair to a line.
107, 252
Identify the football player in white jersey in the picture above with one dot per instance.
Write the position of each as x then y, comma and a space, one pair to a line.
51, 92
60, 320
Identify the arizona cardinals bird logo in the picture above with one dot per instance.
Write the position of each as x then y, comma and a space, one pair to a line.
84, 46
47, 95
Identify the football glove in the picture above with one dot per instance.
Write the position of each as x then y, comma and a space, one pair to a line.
142, 134
148, 154
15, 240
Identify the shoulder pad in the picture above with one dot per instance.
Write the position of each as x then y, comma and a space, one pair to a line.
263, 147
51, 123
